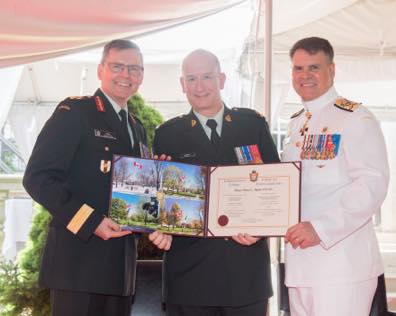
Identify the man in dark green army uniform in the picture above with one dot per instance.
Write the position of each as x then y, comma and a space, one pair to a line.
88, 261
229, 277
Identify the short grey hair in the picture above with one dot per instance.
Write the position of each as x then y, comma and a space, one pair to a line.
119, 44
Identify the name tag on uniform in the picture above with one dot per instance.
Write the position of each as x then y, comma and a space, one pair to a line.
104, 134
187, 155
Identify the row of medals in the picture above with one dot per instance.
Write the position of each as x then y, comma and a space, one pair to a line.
316, 147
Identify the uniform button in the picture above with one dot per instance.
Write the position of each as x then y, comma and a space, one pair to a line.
106, 148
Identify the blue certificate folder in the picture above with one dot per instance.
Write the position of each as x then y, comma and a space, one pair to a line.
150, 195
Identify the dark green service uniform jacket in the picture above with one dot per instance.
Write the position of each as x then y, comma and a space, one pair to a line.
69, 174
216, 272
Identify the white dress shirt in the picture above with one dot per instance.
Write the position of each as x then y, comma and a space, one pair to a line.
117, 109
218, 118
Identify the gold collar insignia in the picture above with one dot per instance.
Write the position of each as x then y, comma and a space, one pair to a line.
228, 118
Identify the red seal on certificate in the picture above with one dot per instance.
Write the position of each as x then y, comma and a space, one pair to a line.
222, 220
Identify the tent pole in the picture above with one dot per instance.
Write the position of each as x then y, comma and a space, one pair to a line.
268, 58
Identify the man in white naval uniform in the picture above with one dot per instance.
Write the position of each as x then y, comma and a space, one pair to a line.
332, 255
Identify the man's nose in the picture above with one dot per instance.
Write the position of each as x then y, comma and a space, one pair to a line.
306, 73
199, 85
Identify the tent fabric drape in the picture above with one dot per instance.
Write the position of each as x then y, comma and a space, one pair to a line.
37, 30
9, 79
25, 137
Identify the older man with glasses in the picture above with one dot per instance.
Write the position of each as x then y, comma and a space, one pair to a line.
88, 261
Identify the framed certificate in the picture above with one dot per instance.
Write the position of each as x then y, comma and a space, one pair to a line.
204, 201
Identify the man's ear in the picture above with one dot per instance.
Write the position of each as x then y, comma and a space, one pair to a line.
182, 84
222, 79
99, 71
332, 70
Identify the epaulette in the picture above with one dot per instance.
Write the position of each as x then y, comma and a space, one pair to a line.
67, 103
297, 114
63, 106
346, 105
247, 111
171, 121
81, 97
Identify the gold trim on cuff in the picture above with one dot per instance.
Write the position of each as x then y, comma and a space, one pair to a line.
79, 218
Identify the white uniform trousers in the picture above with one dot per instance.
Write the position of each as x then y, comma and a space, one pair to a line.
342, 299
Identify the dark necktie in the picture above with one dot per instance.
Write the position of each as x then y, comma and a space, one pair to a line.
124, 122
214, 137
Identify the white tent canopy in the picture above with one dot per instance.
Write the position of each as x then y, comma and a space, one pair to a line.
37, 30
357, 28
361, 31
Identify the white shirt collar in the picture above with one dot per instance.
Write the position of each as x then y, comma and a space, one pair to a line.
115, 105
317, 104
218, 118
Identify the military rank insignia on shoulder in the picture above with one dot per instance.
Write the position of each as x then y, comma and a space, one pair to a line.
63, 106
346, 105
297, 114
172, 121
81, 97
67, 104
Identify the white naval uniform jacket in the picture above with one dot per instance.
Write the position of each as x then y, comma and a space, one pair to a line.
338, 196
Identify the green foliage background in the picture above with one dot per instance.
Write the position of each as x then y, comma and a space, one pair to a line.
149, 116
19, 291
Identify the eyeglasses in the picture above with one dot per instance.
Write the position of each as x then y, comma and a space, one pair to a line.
133, 70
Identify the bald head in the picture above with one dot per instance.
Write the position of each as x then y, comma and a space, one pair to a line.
201, 55
202, 81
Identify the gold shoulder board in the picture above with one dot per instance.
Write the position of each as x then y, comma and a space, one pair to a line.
346, 105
